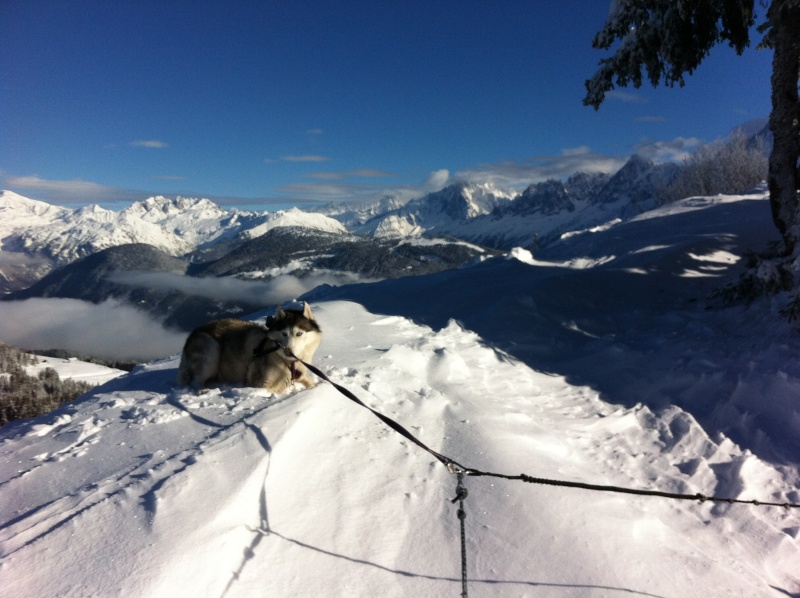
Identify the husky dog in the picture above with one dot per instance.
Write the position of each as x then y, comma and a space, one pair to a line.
234, 351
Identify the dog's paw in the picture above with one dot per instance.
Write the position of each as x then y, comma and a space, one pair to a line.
307, 382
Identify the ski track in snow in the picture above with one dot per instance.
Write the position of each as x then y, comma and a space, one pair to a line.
142, 489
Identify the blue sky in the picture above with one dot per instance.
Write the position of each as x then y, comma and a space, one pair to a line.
269, 104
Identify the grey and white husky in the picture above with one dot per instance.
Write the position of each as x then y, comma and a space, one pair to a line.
235, 351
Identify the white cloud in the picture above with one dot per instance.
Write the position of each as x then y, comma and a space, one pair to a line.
114, 330
333, 191
626, 97
74, 186
110, 329
305, 158
272, 292
81, 192
9, 259
521, 173
364, 173
675, 150
327, 191
436, 180
149, 143
71, 191
577, 151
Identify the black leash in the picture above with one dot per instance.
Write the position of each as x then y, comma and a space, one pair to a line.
451, 465
260, 351
456, 468
461, 494
601, 488
461, 471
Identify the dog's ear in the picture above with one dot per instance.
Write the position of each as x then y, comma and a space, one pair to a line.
307, 311
279, 313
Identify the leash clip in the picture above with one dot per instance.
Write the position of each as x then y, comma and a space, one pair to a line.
455, 468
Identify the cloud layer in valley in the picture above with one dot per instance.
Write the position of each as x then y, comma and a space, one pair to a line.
109, 330
255, 292
114, 330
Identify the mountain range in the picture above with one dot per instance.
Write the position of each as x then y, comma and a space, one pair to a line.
54, 251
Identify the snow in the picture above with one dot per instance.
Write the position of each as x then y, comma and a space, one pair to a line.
17, 210
437, 211
175, 226
529, 365
430, 241
74, 369
296, 217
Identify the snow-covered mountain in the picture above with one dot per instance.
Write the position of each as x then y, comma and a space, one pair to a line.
173, 225
184, 293
486, 215
35, 236
477, 213
295, 250
454, 203
546, 210
611, 374
633, 188
21, 212
354, 214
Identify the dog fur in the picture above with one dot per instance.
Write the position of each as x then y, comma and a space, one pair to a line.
235, 351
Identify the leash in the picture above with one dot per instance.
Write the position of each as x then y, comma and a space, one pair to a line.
260, 351
452, 466
455, 467
461, 492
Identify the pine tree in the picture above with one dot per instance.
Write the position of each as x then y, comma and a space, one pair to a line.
24, 396
670, 38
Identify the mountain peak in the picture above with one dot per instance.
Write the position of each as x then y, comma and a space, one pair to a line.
156, 208
458, 202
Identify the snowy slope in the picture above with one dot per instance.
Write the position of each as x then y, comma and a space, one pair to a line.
18, 211
74, 369
609, 374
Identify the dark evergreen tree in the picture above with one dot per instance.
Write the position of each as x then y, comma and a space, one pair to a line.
23, 396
